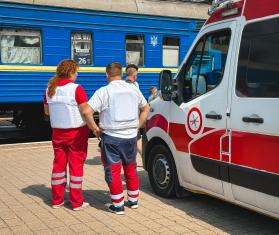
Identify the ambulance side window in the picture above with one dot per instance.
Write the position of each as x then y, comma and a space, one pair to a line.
204, 69
258, 64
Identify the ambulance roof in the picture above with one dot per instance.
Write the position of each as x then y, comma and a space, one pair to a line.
250, 9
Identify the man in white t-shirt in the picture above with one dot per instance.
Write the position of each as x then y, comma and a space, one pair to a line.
123, 110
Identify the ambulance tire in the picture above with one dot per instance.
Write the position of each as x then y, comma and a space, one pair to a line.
162, 171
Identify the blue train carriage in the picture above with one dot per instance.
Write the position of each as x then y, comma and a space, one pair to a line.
34, 38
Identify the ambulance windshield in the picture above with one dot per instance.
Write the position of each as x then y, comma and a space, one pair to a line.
205, 67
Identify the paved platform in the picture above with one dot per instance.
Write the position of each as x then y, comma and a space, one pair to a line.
25, 203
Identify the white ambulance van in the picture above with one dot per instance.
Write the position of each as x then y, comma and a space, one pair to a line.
215, 130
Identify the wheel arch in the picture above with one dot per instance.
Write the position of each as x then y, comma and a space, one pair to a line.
179, 191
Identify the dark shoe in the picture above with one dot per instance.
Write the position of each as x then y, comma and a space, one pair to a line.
115, 209
132, 205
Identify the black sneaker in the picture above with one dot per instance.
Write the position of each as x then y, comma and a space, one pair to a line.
115, 209
132, 205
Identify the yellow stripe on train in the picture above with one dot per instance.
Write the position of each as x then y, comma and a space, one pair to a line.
25, 68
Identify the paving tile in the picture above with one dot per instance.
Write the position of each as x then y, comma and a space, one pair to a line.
37, 226
2, 224
63, 231
88, 233
5, 231
148, 232
79, 228
13, 222
98, 227
168, 233
206, 232
55, 224
43, 232
21, 229
7, 214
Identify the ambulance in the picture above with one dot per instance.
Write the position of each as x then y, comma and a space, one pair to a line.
215, 128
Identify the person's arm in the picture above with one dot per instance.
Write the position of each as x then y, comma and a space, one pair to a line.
85, 109
88, 112
46, 110
143, 115
93, 105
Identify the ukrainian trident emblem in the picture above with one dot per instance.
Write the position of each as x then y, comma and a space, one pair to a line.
154, 40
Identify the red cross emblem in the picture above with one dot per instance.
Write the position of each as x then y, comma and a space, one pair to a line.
194, 121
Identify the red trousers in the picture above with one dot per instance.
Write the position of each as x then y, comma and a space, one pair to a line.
70, 146
115, 184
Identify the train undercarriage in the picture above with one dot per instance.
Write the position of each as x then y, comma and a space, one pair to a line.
23, 122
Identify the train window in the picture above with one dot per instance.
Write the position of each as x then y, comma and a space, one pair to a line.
20, 46
170, 52
82, 48
135, 50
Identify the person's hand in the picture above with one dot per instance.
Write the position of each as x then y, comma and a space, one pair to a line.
97, 131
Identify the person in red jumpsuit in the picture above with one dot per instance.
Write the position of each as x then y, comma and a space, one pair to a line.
69, 133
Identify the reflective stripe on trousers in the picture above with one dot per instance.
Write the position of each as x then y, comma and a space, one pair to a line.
76, 182
58, 182
58, 178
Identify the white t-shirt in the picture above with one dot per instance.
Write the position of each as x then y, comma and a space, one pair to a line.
135, 83
100, 102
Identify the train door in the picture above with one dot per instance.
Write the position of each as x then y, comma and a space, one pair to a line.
201, 105
254, 172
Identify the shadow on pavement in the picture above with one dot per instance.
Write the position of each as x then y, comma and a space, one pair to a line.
94, 161
223, 215
40, 191
96, 198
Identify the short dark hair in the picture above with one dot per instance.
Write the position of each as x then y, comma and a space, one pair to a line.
132, 66
114, 69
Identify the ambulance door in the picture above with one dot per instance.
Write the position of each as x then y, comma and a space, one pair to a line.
198, 114
254, 173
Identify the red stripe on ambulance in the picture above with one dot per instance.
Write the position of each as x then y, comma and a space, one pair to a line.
256, 151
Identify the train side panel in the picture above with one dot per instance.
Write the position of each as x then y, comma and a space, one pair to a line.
23, 83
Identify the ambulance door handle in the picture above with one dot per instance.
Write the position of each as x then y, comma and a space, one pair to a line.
213, 115
253, 119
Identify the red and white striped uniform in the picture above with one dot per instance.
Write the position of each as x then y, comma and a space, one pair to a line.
69, 139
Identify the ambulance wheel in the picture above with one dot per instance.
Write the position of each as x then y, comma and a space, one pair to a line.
162, 171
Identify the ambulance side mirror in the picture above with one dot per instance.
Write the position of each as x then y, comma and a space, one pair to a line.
165, 84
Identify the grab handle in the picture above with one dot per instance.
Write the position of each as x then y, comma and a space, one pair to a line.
253, 119
213, 115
